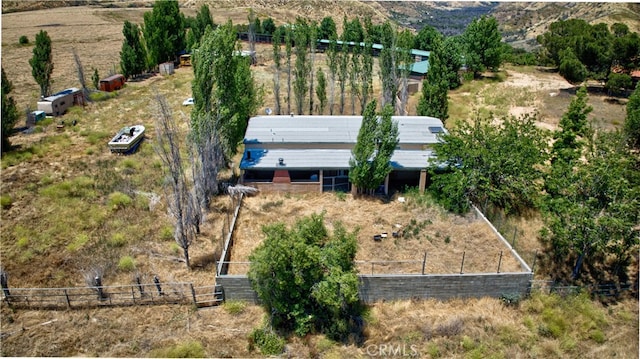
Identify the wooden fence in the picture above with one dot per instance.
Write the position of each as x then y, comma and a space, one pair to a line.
113, 296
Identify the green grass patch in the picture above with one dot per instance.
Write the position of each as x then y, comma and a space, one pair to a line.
6, 201
126, 264
96, 137
82, 187
234, 306
117, 240
118, 200
12, 158
79, 242
166, 233
272, 204
99, 96
269, 342
190, 349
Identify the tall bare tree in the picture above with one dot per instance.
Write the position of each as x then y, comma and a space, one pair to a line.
182, 205
80, 72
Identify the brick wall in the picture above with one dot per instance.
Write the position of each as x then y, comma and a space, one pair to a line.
374, 288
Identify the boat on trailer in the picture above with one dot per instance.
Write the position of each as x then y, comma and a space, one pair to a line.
127, 139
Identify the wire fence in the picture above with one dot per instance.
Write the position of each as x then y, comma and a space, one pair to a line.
599, 290
113, 296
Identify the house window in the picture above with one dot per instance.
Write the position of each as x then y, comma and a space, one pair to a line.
304, 176
258, 176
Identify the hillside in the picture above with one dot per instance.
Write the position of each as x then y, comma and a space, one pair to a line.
60, 222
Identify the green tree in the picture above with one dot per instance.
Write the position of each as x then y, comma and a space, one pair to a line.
497, 166
352, 31
198, 25
343, 72
433, 100
483, 48
617, 83
313, 39
371, 155
277, 55
590, 225
321, 91
164, 31
574, 126
42, 63
133, 55
365, 76
388, 62
327, 28
288, 46
333, 58
95, 79
9, 112
571, 68
301, 69
449, 56
632, 121
305, 277
225, 97
269, 26
426, 38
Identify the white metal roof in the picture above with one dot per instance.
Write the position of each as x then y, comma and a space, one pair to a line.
315, 159
333, 129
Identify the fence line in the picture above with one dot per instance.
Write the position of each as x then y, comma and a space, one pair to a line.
113, 296
602, 290
226, 250
415, 266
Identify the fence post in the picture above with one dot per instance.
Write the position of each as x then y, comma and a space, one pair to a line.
424, 261
4, 282
98, 283
462, 264
133, 295
193, 294
140, 288
499, 261
66, 295
371, 268
156, 280
513, 242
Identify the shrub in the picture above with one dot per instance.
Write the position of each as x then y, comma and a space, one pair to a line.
23, 40
126, 264
617, 83
234, 306
267, 341
119, 200
6, 201
190, 349
102, 96
166, 233
117, 240
80, 240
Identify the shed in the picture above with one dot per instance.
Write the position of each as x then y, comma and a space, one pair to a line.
34, 117
112, 83
166, 68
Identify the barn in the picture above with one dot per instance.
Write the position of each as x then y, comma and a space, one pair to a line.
112, 83
311, 153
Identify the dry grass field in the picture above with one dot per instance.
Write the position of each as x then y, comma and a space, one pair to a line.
62, 222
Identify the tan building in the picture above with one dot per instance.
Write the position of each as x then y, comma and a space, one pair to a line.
311, 153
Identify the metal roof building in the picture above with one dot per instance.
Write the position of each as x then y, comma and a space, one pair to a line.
288, 152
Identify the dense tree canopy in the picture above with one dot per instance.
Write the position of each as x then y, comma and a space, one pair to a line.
490, 165
42, 62
589, 51
632, 122
198, 25
305, 278
164, 31
327, 28
483, 48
